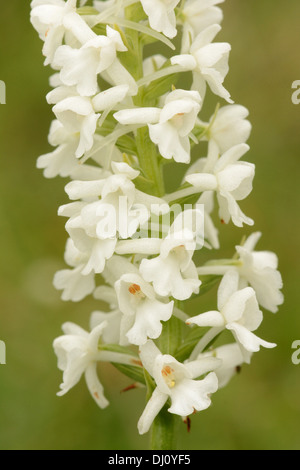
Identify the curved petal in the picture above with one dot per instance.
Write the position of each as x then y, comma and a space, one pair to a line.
229, 208
138, 116
202, 181
148, 320
87, 132
74, 285
248, 340
95, 335
84, 189
109, 98
252, 241
237, 179
190, 395
231, 156
229, 285
153, 407
242, 306
94, 386
148, 354
186, 61
212, 318
205, 37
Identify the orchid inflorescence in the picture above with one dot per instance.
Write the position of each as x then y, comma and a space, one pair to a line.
119, 121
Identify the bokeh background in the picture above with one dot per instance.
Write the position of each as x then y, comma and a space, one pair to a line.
260, 409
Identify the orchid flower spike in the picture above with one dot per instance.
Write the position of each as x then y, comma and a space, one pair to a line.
144, 207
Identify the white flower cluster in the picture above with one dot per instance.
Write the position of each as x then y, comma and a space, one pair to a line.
119, 120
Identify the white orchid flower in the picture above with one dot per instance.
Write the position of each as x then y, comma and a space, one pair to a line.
196, 17
208, 61
97, 250
79, 115
75, 283
161, 15
230, 178
52, 19
94, 224
259, 269
169, 127
78, 353
229, 127
177, 382
143, 312
173, 272
81, 67
238, 312
118, 118
62, 160
176, 122
93, 251
119, 211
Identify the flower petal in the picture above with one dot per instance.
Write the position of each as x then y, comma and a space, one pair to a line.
248, 340
229, 285
95, 387
190, 395
153, 407
138, 116
212, 318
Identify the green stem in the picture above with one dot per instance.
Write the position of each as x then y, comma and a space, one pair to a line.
164, 428
171, 336
164, 431
205, 341
147, 153
148, 159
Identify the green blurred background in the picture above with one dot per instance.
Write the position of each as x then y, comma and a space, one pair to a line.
260, 409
